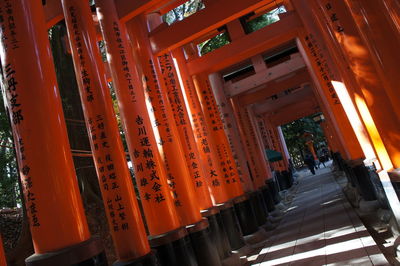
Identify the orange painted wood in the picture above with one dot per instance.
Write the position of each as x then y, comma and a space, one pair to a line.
150, 172
53, 203
213, 121
231, 130
121, 207
214, 176
194, 163
163, 122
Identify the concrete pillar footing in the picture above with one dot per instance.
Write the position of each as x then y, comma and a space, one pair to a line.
89, 252
146, 260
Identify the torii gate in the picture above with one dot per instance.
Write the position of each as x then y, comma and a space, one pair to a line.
189, 169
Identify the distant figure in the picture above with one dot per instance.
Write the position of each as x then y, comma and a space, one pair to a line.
309, 161
322, 157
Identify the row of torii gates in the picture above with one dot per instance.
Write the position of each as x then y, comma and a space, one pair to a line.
196, 140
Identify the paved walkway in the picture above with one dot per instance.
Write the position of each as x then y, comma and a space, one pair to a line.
319, 228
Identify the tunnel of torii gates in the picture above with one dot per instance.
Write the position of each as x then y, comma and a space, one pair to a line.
196, 126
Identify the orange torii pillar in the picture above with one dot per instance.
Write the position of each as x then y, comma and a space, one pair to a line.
329, 136
253, 119
315, 56
3, 261
169, 145
281, 147
208, 155
373, 103
267, 139
274, 142
207, 254
122, 210
377, 24
258, 164
328, 82
323, 71
232, 132
56, 216
185, 131
243, 207
262, 175
218, 154
272, 183
372, 86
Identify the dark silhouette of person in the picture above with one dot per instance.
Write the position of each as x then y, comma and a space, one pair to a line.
309, 161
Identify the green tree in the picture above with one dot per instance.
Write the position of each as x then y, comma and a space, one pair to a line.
293, 132
183, 11
9, 189
263, 20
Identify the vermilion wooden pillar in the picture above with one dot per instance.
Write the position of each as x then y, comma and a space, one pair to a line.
341, 37
257, 158
167, 137
170, 146
53, 203
239, 202
364, 84
185, 131
202, 135
205, 250
376, 25
245, 211
330, 138
214, 124
122, 210
314, 55
207, 152
274, 141
231, 130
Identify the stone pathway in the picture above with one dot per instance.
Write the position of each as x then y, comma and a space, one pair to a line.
319, 228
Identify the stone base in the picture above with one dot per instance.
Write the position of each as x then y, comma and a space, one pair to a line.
204, 249
231, 226
174, 248
147, 260
90, 253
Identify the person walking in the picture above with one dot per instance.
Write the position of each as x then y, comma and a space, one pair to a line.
309, 161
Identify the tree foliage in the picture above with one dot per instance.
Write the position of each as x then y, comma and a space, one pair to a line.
264, 20
183, 11
214, 43
293, 132
9, 189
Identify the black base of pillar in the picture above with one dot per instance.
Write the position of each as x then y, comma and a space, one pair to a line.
147, 260
217, 233
174, 248
231, 226
204, 249
362, 179
273, 188
268, 198
246, 216
281, 179
287, 176
260, 210
87, 253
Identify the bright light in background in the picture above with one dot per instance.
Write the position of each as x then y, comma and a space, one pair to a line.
373, 132
354, 120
